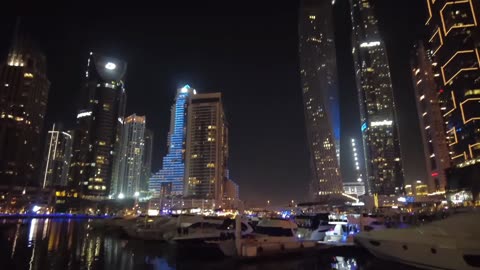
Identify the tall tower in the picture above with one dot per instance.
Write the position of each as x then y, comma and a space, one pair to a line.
23, 101
147, 160
377, 108
170, 178
318, 71
57, 156
453, 41
207, 148
430, 117
98, 119
133, 141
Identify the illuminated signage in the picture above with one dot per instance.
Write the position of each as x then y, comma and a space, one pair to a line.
110, 66
369, 44
381, 123
83, 114
364, 127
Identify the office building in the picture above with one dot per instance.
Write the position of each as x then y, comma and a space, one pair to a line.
430, 117
24, 91
169, 181
147, 160
206, 148
98, 123
57, 156
318, 72
379, 125
453, 41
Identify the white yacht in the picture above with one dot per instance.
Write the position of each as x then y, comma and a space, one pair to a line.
270, 236
449, 244
211, 229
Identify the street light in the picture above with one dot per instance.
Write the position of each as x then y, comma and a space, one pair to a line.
121, 196
136, 194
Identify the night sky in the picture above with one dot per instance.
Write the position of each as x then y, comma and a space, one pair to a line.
248, 52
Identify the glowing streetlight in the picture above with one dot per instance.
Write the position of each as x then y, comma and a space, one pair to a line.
121, 196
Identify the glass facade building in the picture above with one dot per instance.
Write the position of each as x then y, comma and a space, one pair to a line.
99, 122
57, 156
453, 43
170, 178
318, 72
379, 126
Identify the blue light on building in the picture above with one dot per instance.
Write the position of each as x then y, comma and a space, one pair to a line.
364, 126
171, 177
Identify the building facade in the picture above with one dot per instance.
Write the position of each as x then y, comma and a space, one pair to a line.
206, 149
147, 160
318, 72
379, 126
98, 123
430, 117
57, 156
453, 41
24, 91
170, 179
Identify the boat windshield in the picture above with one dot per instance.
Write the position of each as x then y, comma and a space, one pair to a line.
274, 231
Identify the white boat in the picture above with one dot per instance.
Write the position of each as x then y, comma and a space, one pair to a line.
211, 229
270, 236
449, 244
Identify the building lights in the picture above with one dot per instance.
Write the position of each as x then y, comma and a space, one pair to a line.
84, 114
110, 66
381, 123
369, 44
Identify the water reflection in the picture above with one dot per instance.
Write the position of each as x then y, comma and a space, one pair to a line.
38, 244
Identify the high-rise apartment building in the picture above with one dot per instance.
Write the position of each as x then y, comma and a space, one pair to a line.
133, 145
430, 117
98, 119
57, 156
379, 126
147, 160
170, 178
23, 101
318, 71
453, 41
207, 148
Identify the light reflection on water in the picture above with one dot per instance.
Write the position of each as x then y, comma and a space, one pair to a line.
38, 244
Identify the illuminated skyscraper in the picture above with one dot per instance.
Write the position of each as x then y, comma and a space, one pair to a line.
377, 108
126, 176
23, 101
207, 148
58, 152
170, 178
453, 42
430, 117
147, 160
98, 125
318, 71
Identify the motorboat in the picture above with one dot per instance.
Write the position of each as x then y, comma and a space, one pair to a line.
270, 236
449, 244
313, 227
211, 229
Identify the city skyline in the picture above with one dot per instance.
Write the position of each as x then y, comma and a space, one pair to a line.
291, 150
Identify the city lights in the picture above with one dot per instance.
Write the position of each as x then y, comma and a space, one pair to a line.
110, 66
369, 44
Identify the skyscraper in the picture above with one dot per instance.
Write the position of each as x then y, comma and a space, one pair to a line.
207, 148
101, 112
171, 176
377, 108
23, 101
453, 41
147, 160
430, 117
57, 156
131, 167
318, 71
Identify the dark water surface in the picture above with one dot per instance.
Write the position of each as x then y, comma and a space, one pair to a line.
68, 244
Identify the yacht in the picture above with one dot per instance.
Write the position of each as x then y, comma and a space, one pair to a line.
449, 244
270, 236
211, 229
